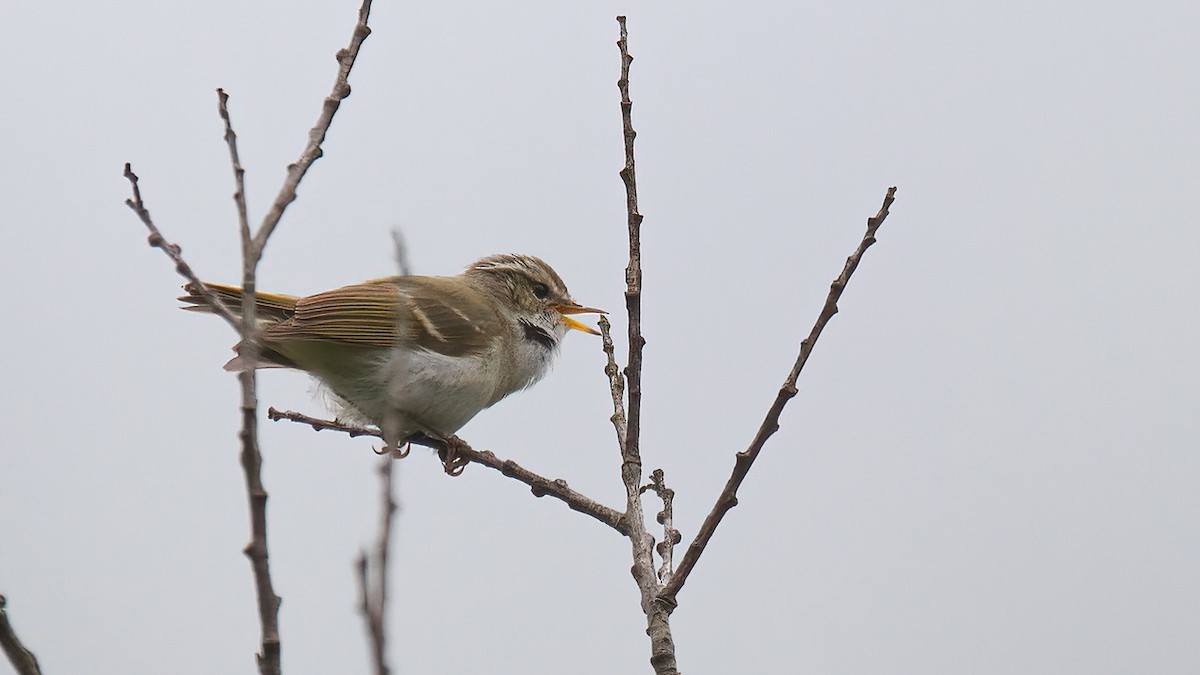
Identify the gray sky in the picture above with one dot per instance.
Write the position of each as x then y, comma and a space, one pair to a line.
991, 466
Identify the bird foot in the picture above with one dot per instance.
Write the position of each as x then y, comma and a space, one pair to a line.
451, 455
399, 451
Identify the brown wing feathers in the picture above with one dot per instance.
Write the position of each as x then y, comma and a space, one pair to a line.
426, 311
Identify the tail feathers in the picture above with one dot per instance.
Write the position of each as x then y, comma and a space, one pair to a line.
270, 307
240, 364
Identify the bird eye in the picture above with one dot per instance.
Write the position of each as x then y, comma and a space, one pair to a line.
542, 291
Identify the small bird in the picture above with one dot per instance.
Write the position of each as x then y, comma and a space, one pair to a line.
416, 354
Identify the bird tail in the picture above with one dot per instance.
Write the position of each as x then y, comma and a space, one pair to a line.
269, 308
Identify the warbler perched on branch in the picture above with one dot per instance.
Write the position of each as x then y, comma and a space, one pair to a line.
415, 354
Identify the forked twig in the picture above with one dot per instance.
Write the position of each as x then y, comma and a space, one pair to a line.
662, 645
252, 249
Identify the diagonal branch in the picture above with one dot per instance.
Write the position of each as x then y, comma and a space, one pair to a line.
539, 485
745, 459
312, 150
21, 658
173, 251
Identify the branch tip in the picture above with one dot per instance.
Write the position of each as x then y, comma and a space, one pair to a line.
744, 459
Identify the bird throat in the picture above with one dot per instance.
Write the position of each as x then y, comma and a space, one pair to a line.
538, 335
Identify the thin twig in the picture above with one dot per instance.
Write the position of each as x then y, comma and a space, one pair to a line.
174, 251
269, 656
251, 458
633, 271
21, 658
662, 645
616, 383
400, 253
745, 459
239, 174
372, 574
275, 414
316, 136
666, 518
539, 485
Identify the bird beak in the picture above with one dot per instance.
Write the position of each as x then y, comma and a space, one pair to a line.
573, 308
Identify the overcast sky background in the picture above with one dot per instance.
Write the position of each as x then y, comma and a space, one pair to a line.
991, 465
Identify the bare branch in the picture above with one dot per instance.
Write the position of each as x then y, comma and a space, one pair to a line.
539, 485
256, 550
275, 414
666, 518
745, 459
616, 383
662, 645
316, 136
239, 174
400, 253
269, 656
372, 574
633, 272
173, 251
21, 658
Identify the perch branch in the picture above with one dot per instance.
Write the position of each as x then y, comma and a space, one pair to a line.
539, 485
745, 459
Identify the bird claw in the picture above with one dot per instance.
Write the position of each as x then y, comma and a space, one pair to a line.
397, 452
452, 460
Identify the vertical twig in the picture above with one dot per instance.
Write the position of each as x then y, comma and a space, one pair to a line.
616, 383
633, 271
400, 253
662, 645
21, 658
666, 518
269, 657
745, 459
372, 574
